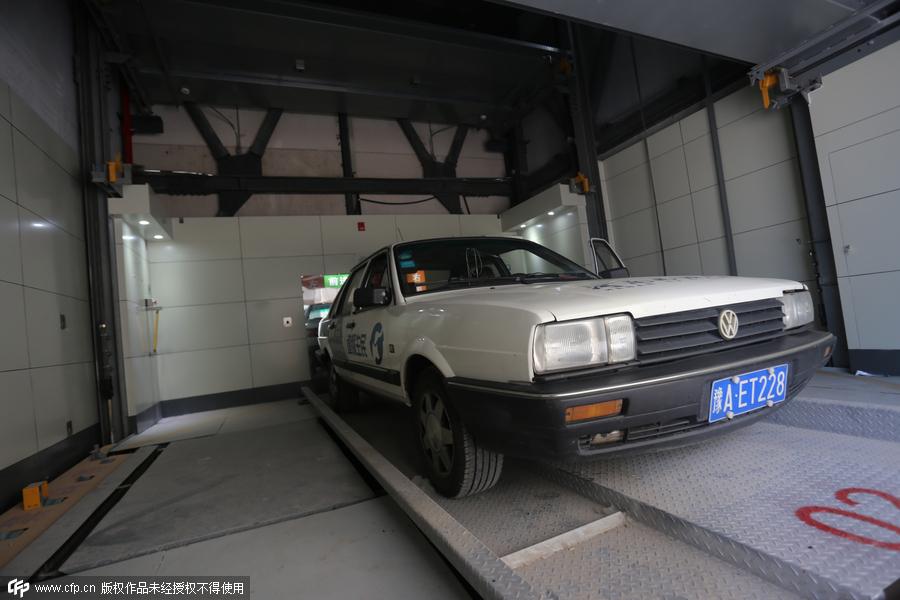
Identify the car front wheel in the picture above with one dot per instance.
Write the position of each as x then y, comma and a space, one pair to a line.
456, 465
342, 395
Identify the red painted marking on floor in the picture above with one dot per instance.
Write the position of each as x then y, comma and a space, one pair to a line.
805, 514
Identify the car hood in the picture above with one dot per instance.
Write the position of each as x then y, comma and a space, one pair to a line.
638, 296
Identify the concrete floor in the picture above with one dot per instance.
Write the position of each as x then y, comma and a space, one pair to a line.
262, 491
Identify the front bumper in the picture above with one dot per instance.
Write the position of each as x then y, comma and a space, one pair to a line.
665, 404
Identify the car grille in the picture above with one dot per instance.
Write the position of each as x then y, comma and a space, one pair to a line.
681, 334
655, 430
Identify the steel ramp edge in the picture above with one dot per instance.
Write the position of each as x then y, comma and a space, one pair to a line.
741, 555
477, 563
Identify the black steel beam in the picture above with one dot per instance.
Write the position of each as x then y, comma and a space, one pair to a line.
415, 142
583, 127
720, 172
265, 131
459, 138
820, 235
215, 145
365, 21
351, 199
176, 183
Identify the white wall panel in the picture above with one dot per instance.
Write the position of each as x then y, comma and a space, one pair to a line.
777, 251
13, 333
708, 213
10, 255
694, 125
18, 438
766, 197
866, 169
45, 188
421, 227
197, 282
341, 234
479, 225
340, 263
141, 385
280, 362
134, 329
629, 192
52, 259
664, 140
4, 100
874, 298
759, 140
737, 105
187, 374
869, 227
186, 328
683, 261
61, 394
26, 120
624, 160
268, 278
199, 239
48, 344
7, 164
280, 236
701, 163
265, 320
645, 266
676, 222
636, 234
714, 257
670, 179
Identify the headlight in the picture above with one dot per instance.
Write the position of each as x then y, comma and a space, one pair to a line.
586, 343
798, 309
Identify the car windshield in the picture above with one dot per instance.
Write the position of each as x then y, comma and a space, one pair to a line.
436, 265
317, 311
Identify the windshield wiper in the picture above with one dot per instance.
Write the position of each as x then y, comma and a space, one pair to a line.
567, 276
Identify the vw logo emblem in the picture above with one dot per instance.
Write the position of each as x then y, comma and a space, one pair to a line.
728, 324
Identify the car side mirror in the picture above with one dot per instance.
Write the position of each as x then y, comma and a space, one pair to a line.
618, 273
367, 297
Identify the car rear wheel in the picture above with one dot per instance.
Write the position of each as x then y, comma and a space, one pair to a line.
456, 465
342, 395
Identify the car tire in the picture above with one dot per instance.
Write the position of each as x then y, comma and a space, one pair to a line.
455, 463
342, 396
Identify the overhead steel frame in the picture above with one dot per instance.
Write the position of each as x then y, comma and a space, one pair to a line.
819, 233
433, 168
248, 164
351, 199
93, 115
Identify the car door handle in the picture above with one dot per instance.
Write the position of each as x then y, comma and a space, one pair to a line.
350, 325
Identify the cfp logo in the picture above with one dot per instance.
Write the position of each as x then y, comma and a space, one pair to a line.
17, 587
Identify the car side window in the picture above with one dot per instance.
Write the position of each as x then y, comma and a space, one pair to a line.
350, 286
378, 275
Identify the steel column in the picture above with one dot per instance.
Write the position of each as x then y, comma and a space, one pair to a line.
92, 117
720, 172
351, 199
820, 235
584, 125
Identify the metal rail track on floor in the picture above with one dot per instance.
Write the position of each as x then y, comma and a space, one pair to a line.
806, 504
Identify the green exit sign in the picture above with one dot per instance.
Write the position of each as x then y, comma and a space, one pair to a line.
335, 281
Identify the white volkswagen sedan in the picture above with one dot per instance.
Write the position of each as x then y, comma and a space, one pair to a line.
504, 347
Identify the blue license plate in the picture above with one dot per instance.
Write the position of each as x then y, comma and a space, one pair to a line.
743, 393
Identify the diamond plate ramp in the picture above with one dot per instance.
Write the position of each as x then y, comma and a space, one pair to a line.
634, 562
736, 497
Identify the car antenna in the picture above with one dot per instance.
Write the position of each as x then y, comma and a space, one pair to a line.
399, 234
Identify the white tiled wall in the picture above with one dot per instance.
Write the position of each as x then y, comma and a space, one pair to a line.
46, 371
225, 285
677, 166
856, 121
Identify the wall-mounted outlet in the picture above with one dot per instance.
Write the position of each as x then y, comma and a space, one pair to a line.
287, 321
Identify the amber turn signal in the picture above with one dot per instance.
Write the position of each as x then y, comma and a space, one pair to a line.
593, 411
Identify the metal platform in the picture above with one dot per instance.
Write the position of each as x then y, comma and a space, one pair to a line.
805, 504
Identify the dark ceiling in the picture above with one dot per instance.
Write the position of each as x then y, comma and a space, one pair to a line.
469, 62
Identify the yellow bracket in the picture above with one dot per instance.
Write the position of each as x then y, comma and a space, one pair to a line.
582, 180
768, 81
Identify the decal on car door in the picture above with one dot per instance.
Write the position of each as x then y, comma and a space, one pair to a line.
376, 343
